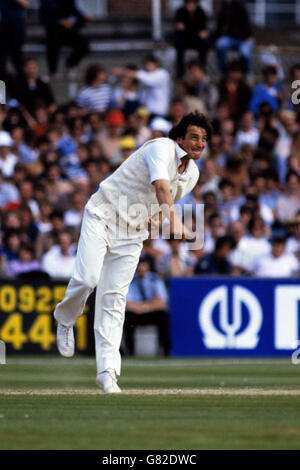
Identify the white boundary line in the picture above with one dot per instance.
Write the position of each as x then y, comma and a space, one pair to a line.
14, 361
151, 392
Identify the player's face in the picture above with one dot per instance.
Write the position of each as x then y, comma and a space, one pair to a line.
194, 141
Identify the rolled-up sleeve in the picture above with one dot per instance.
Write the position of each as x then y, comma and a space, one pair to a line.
157, 157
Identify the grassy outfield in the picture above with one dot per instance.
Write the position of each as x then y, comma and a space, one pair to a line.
52, 403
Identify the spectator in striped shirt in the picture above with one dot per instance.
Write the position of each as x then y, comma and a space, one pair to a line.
97, 94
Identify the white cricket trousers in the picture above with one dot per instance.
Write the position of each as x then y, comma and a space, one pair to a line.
110, 264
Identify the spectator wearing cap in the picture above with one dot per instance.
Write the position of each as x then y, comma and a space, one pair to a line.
191, 32
8, 159
155, 86
97, 94
147, 305
268, 91
234, 31
217, 262
160, 127
278, 263
127, 146
110, 139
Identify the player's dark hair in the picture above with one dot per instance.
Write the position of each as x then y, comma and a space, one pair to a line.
192, 119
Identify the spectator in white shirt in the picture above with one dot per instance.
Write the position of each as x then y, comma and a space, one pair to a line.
278, 263
247, 133
156, 86
73, 216
7, 159
60, 259
251, 246
293, 242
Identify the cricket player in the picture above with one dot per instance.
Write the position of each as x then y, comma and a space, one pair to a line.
114, 226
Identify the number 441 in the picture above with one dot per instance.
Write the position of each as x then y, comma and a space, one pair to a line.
39, 333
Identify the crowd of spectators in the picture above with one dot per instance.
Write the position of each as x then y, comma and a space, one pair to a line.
53, 156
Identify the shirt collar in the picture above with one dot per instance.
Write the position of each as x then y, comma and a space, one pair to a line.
180, 153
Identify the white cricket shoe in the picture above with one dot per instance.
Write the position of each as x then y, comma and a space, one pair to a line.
107, 380
65, 340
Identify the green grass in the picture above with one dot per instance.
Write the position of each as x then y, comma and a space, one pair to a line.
179, 421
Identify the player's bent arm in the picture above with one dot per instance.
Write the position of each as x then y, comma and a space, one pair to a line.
166, 202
